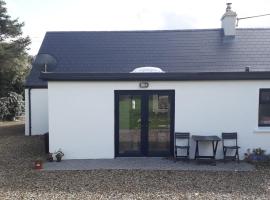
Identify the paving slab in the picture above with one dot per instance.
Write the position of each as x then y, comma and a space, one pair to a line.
145, 164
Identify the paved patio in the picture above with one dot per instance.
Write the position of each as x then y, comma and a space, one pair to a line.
145, 164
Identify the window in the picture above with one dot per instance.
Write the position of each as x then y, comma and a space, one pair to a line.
264, 107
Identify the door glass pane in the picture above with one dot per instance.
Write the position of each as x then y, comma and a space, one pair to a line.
159, 124
129, 124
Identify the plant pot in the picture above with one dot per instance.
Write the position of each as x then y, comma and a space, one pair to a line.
38, 164
50, 158
58, 158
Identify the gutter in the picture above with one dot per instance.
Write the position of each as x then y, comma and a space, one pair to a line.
29, 109
196, 76
36, 86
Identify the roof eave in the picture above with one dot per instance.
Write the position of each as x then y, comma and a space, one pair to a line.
35, 86
49, 76
42, 85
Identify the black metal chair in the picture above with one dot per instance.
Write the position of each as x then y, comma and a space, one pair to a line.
232, 137
182, 136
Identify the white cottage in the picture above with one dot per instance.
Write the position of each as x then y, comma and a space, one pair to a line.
125, 93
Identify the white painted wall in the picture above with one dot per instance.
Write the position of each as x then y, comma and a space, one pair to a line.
81, 114
39, 111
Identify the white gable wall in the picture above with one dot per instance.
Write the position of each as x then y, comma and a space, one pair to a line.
39, 111
81, 114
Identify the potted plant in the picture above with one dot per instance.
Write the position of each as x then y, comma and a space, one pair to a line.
59, 154
38, 163
50, 157
257, 155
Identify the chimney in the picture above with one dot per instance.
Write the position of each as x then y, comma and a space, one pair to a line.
228, 21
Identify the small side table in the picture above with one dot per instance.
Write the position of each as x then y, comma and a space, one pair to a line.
212, 139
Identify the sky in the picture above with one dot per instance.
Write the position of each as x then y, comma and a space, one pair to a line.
107, 15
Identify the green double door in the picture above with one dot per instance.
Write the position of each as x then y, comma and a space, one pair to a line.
144, 123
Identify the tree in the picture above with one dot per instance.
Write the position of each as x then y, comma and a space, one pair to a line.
14, 60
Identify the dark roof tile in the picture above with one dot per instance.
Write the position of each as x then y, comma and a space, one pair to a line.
173, 51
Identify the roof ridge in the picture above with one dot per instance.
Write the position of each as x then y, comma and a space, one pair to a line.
150, 31
135, 31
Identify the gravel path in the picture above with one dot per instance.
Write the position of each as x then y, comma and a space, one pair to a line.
19, 181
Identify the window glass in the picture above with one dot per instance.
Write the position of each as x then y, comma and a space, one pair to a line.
265, 96
159, 124
264, 108
129, 124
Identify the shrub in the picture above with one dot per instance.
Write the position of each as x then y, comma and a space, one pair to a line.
11, 106
257, 155
4, 112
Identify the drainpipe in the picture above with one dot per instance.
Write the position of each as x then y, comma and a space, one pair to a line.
29, 106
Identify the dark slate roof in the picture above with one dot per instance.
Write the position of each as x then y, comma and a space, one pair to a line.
174, 51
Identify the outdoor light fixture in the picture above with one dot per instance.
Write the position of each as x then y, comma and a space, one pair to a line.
144, 84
